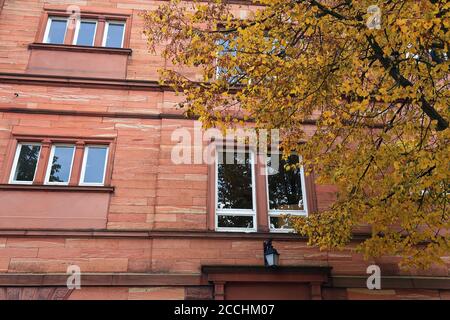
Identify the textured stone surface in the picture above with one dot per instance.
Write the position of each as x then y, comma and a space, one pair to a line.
151, 193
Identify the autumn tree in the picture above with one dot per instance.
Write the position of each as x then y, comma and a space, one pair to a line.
373, 78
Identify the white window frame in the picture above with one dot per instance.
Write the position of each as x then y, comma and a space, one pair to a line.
50, 164
278, 213
77, 30
105, 33
235, 212
83, 166
16, 159
49, 23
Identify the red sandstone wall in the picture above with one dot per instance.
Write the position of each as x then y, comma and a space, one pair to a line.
144, 178
185, 255
20, 20
150, 191
179, 293
20, 255
176, 293
94, 293
150, 194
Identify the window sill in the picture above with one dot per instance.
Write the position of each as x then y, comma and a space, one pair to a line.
282, 231
34, 187
75, 48
238, 230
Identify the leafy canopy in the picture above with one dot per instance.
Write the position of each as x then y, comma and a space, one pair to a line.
377, 91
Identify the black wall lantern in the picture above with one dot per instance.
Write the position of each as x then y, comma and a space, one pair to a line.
271, 255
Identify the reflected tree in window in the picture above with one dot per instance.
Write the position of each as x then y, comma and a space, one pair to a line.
285, 187
235, 221
235, 182
56, 167
61, 164
280, 222
26, 164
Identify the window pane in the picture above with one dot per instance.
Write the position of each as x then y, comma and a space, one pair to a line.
57, 31
27, 162
235, 221
279, 223
223, 72
95, 164
115, 35
86, 33
285, 187
234, 181
61, 164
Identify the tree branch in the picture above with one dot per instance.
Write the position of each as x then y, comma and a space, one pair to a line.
389, 66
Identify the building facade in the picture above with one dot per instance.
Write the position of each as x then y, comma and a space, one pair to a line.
87, 179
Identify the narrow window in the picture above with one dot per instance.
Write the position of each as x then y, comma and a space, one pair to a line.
85, 33
114, 34
286, 191
25, 163
60, 164
56, 30
227, 52
235, 206
94, 165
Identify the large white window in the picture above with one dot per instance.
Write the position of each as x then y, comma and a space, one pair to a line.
114, 34
55, 32
94, 165
235, 191
25, 163
60, 164
85, 33
285, 191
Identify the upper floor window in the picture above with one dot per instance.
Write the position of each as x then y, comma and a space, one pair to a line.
25, 163
227, 51
85, 33
56, 30
59, 164
285, 190
114, 34
235, 193
90, 28
98, 34
94, 165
